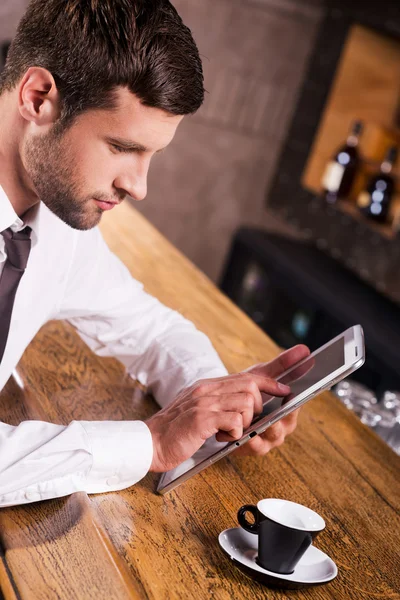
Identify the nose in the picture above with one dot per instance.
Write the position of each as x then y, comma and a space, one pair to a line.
132, 184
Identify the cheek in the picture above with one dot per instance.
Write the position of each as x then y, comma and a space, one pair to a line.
89, 156
94, 165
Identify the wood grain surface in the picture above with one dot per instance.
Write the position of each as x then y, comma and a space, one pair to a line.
137, 544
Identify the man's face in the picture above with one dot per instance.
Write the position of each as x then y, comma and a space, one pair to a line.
101, 159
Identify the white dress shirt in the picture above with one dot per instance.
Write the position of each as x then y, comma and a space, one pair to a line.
73, 275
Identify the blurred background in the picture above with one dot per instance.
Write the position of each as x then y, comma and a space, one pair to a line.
285, 187
215, 175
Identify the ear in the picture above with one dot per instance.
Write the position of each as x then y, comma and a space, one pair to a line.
38, 97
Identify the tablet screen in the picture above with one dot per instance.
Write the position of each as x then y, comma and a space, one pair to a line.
301, 378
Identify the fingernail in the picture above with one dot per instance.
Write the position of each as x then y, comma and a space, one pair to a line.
284, 388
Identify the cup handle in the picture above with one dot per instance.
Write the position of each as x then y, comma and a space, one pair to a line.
241, 517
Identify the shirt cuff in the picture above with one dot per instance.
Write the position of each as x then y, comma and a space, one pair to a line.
122, 453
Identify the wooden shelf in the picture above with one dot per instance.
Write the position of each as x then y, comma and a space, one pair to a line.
384, 229
366, 87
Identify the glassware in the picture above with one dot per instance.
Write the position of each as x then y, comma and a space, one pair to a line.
391, 400
355, 396
383, 416
370, 418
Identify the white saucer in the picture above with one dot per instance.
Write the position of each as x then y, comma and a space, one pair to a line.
314, 567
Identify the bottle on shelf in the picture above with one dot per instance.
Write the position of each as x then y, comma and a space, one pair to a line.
375, 200
340, 172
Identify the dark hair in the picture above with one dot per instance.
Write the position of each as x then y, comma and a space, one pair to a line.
92, 46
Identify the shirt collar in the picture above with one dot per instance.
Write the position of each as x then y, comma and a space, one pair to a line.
9, 218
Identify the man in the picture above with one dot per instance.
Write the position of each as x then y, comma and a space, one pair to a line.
92, 89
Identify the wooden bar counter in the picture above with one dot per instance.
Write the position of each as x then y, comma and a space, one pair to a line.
137, 544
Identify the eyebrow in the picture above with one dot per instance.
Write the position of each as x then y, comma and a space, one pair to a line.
130, 145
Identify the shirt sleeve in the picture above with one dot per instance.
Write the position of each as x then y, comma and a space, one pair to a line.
39, 460
116, 317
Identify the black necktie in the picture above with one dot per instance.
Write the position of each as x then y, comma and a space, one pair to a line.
18, 246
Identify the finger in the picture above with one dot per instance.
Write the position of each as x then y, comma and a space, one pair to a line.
261, 444
271, 438
270, 386
283, 362
274, 434
299, 372
240, 383
287, 359
241, 402
253, 381
228, 425
255, 447
282, 428
290, 421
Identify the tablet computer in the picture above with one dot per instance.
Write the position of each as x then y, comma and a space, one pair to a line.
319, 371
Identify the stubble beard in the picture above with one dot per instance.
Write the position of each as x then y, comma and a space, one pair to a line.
50, 168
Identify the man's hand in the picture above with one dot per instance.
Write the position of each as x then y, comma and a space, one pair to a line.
224, 406
275, 435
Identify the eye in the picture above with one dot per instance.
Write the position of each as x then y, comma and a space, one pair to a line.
120, 149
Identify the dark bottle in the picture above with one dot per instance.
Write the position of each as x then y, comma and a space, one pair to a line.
375, 200
339, 173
